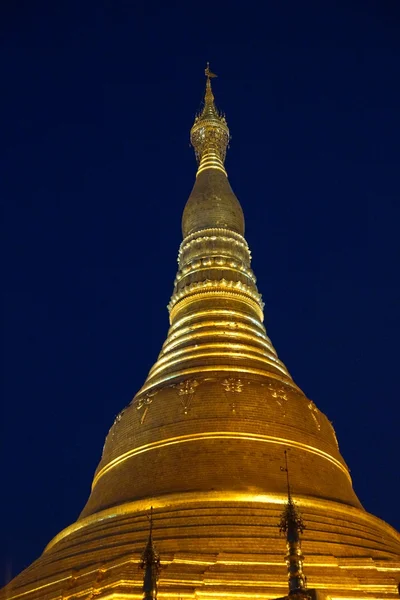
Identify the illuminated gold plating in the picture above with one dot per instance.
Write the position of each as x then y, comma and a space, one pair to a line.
210, 134
214, 268
214, 436
190, 499
202, 443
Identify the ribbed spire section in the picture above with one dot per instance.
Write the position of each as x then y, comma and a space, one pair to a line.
216, 314
216, 311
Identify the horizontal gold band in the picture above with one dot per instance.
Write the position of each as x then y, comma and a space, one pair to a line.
211, 160
218, 287
206, 594
211, 166
232, 337
245, 273
214, 231
226, 293
226, 325
218, 312
218, 435
225, 348
166, 501
224, 236
226, 356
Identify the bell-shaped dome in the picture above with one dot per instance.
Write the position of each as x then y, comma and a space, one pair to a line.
212, 203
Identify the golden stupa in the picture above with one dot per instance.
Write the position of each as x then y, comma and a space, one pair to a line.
202, 443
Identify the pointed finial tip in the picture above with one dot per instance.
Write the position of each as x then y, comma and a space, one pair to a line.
208, 73
210, 134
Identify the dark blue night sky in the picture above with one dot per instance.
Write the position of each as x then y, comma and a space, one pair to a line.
97, 101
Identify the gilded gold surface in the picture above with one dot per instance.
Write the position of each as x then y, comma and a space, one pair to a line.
212, 203
202, 443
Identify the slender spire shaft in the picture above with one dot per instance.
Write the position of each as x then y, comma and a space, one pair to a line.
292, 525
150, 564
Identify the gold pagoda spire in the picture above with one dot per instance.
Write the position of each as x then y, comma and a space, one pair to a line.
217, 357
210, 134
199, 442
150, 564
292, 525
215, 269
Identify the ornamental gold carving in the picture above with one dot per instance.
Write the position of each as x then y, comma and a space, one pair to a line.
186, 390
279, 394
212, 235
223, 283
215, 261
210, 134
233, 384
144, 402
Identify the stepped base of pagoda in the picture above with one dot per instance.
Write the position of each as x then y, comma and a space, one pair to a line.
215, 545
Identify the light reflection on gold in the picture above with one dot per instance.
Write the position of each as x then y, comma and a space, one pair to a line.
214, 435
227, 356
250, 329
225, 332
222, 350
227, 294
231, 314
